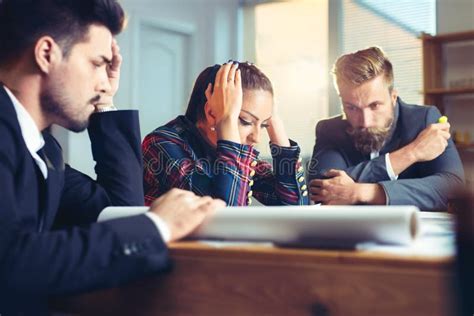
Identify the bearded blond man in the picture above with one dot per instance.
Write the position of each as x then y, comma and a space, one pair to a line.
381, 150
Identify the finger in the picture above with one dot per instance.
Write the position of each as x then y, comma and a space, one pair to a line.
224, 74
220, 203
316, 183
440, 126
443, 126
314, 198
116, 57
238, 79
212, 207
319, 198
315, 190
209, 208
232, 70
174, 191
333, 173
201, 201
188, 199
179, 193
188, 195
319, 191
217, 80
445, 143
116, 63
446, 135
115, 47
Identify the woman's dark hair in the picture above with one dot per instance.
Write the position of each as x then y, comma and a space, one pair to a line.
23, 22
252, 79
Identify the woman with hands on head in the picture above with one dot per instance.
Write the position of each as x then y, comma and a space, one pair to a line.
210, 150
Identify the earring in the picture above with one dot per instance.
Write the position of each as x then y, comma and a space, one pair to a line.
213, 128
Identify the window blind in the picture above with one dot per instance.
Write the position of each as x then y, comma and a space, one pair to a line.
395, 26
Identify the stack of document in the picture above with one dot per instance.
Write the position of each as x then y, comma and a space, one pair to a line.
436, 238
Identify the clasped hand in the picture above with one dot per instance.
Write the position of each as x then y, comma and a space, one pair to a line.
339, 189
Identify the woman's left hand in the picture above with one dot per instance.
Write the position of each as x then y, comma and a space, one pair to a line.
276, 130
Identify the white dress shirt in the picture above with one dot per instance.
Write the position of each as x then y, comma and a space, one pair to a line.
388, 164
390, 172
31, 135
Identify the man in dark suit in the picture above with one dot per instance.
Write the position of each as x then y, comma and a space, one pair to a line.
381, 150
60, 65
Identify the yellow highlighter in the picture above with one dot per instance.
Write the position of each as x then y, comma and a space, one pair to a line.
443, 119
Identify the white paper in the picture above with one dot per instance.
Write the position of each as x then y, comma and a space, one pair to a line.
113, 212
326, 226
312, 225
436, 239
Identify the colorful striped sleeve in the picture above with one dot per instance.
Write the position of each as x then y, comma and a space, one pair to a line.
169, 162
285, 183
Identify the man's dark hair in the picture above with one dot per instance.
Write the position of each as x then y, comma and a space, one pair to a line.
252, 79
23, 22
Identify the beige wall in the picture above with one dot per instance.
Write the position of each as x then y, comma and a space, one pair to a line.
292, 49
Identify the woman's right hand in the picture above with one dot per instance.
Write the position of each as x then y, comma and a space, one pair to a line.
225, 102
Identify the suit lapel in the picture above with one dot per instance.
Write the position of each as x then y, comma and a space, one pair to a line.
394, 140
355, 155
51, 187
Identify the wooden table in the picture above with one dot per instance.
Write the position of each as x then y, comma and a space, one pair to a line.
262, 280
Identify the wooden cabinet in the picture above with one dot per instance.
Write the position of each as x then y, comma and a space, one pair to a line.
436, 90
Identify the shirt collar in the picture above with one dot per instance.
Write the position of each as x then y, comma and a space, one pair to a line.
31, 135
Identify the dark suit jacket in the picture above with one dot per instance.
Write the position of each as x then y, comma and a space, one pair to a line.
424, 184
49, 243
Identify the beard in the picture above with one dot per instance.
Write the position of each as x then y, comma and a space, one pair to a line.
371, 139
60, 108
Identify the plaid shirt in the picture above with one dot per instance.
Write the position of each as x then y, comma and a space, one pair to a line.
177, 156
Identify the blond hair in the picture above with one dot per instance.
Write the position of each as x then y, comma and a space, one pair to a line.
361, 66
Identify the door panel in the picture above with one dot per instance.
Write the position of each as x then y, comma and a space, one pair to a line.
162, 69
